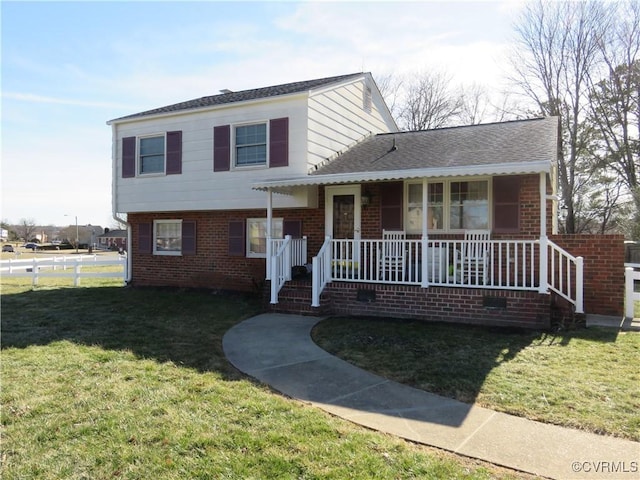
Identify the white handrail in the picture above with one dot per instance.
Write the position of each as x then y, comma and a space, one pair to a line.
566, 275
280, 268
320, 271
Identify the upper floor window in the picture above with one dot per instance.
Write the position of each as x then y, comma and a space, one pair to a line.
152, 156
251, 144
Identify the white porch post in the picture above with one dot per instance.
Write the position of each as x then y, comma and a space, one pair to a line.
269, 222
424, 282
544, 248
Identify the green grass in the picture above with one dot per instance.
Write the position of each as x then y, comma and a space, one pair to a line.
107, 382
586, 379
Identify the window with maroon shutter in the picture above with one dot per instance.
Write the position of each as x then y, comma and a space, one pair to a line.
128, 157
236, 238
145, 237
174, 153
506, 204
279, 142
391, 205
221, 148
188, 237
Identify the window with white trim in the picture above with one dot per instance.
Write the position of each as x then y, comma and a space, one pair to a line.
251, 145
452, 205
257, 235
151, 157
167, 237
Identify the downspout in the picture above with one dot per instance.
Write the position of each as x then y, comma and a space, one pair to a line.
114, 211
424, 283
544, 247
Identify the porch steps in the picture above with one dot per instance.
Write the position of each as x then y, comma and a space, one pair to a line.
295, 298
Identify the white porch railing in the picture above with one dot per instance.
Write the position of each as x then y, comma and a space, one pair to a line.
565, 275
505, 264
631, 275
321, 271
288, 252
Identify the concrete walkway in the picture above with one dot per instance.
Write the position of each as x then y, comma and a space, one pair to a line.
277, 349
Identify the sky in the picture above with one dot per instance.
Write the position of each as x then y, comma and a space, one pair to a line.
69, 67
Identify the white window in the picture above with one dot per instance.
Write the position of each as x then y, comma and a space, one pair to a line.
151, 156
452, 205
167, 237
251, 145
257, 235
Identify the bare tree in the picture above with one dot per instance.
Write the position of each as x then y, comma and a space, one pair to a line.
557, 48
615, 103
26, 229
429, 102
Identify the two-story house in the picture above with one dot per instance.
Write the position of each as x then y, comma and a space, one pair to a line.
455, 224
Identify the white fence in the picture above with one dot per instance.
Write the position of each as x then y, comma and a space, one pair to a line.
631, 275
65, 267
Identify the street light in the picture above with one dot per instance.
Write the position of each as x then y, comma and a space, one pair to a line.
77, 234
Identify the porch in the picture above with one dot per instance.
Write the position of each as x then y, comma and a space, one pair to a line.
487, 270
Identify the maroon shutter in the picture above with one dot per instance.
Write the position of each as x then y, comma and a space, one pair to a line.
145, 237
292, 227
174, 153
279, 142
236, 238
506, 204
188, 237
221, 148
128, 157
391, 205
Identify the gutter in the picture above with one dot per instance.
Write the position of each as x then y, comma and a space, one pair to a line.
114, 212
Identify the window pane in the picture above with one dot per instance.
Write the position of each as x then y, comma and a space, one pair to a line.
168, 236
435, 206
152, 164
257, 235
469, 205
254, 155
251, 134
436, 203
152, 146
152, 154
251, 144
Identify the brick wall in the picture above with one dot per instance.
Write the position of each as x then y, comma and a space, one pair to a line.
603, 270
456, 305
211, 266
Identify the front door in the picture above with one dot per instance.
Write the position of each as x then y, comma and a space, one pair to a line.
342, 212
342, 222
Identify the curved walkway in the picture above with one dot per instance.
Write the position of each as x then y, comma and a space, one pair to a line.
277, 349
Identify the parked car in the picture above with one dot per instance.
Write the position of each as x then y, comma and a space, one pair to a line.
31, 246
7, 248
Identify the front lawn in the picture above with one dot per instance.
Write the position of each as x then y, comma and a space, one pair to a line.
587, 378
110, 382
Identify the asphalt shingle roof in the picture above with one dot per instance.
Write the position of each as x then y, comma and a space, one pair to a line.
514, 142
242, 96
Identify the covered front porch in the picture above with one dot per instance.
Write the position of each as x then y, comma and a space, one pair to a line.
538, 265
452, 261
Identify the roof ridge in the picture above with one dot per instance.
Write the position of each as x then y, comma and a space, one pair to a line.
518, 120
241, 95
